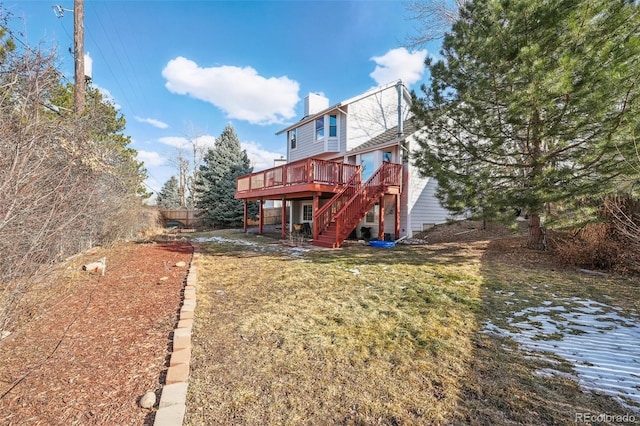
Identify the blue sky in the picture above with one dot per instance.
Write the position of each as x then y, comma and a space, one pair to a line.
183, 70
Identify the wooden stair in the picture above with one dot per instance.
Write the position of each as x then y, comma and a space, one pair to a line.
340, 216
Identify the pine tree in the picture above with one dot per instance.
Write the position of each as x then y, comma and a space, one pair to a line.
169, 197
533, 104
222, 165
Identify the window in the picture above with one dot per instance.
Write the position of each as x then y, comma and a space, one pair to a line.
319, 128
387, 156
367, 162
307, 212
333, 126
293, 134
371, 215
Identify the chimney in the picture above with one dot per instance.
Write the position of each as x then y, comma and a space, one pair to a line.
314, 103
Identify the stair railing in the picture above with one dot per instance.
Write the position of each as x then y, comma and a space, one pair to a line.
325, 214
361, 201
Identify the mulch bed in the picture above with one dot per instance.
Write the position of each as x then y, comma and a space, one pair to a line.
87, 347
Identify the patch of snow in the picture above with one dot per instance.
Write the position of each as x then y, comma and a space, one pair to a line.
223, 240
294, 251
596, 338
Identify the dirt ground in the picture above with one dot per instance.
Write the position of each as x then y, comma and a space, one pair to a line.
87, 347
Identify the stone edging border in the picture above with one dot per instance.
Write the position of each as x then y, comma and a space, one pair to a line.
173, 399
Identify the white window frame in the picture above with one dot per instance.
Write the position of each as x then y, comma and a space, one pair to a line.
302, 212
293, 139
375, 210
316, 129
337, 126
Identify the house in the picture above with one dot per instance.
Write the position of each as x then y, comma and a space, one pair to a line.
348, 171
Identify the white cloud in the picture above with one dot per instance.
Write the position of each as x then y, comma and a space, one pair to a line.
175, 141
206, 141
180, 142
155, 123
399, 64
260, 158
108, 97
241, 93
151, 158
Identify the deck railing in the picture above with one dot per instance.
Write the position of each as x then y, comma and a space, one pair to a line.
305, 171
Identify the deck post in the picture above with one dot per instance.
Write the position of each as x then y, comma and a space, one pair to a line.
246, 214
381, 218
283, 218
314, 224
261, 218
397, 216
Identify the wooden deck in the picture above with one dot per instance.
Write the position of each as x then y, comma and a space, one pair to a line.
347, 198
300, 179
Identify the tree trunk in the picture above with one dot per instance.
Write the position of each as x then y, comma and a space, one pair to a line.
537, 237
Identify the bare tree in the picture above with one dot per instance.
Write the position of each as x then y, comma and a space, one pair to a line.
187, 161
434, 18
66, 183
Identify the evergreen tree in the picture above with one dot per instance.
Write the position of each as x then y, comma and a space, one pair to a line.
222, 165
229, 212
169, 197
533, 103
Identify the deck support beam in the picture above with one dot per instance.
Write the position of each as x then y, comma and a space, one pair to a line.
261, 217
316, 206
246, 214
397, 217
381, 218
283, 216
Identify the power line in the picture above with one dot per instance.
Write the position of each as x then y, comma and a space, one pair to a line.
128, 57
117, 56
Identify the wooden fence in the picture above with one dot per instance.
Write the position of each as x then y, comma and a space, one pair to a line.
272, 216
188, 218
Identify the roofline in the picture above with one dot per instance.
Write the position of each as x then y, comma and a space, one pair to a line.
338, 106
397, 139
393, 142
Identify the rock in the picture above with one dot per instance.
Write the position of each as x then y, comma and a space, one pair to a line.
4, 334
181, 264
148, 400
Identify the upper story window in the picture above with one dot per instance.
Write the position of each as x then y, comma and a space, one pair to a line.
319, 128
333, 126
293, 135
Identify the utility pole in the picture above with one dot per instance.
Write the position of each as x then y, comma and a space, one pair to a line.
78, 55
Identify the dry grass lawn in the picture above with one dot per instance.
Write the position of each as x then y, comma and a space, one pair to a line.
369, 336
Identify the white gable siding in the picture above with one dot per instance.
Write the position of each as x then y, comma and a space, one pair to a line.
308, 146
372, 115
